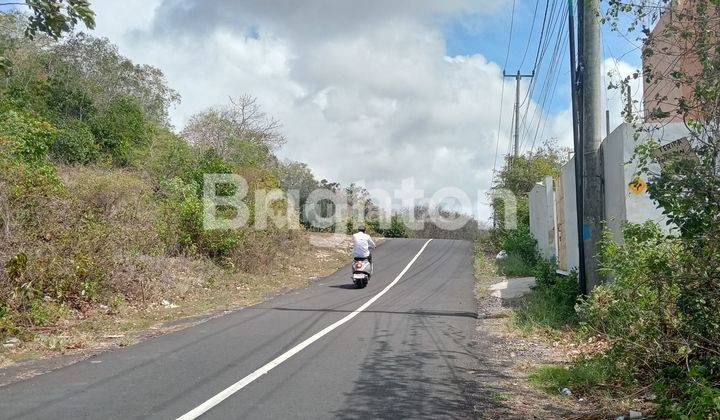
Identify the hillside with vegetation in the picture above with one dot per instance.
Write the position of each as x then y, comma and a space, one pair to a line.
101, 199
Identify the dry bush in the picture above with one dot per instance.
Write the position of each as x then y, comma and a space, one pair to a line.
96, 241
258, 249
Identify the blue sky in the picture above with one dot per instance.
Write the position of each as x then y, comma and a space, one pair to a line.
489, 35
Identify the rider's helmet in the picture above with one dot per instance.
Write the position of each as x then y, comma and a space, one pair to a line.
361, 228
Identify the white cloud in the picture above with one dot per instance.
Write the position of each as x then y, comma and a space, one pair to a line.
365, 91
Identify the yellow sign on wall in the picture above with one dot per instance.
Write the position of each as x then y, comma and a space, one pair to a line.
638, 186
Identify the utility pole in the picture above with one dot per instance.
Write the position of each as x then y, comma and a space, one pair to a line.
607, 123
593, 197
517, 77
576, 118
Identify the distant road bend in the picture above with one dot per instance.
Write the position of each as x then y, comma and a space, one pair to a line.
400, 348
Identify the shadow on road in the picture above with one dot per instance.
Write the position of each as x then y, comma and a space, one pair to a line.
345, 286
426, 371
416, 313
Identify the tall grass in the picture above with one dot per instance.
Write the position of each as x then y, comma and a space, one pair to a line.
551, 304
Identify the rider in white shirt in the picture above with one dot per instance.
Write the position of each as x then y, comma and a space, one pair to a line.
362, 244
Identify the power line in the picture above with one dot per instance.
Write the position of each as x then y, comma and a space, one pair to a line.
502, 92
549, 74
512, 22
532, 28
497, 144
550, 95
539, 54
543, 45
542, 33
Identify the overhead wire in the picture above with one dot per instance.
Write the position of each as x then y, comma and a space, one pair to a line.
554, 73
530, 35
543, 45
502, 91
541, 133
550, 80
546, 74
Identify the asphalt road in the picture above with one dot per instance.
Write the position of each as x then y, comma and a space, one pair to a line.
408, 355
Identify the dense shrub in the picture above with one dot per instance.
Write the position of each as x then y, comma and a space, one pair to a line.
27, 137
121, 130
217, 244
67, 98
521, 250
74, 143
27, 180
661, 317
521, 243
397, 229
211, 163
551, 304
171, 157
64, 253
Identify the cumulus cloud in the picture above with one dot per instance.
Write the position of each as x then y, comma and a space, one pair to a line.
365, 90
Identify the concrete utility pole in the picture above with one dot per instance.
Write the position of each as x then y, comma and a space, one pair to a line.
517, 77
577, 122
593, 194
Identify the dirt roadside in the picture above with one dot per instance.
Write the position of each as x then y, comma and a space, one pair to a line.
78, 336
509, 357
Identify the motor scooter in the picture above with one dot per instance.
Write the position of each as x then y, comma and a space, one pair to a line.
362, 269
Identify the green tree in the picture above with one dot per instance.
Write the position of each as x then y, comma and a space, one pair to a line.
52, 18
398, 227
297, 176
121, 130
56, 17
520, 175
105, 75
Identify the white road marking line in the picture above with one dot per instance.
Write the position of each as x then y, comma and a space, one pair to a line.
242, 383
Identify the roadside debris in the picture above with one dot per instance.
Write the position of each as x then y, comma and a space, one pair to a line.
11, 342
631, 415
167, 304
566, 392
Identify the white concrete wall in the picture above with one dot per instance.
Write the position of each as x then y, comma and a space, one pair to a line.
615, 184
640, 208
542, 218
570, 209
552, 240
621, 203
538, 214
